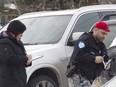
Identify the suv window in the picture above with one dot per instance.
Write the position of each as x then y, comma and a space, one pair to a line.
46, 29
111, 36
86, 21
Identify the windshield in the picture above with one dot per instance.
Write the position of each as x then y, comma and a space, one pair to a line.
45, 29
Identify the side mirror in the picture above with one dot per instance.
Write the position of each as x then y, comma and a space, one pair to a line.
74, 37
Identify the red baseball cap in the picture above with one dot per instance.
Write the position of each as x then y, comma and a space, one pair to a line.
102, 25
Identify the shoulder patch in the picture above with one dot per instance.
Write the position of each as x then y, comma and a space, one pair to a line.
81, 44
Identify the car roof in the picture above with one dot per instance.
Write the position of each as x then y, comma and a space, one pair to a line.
69, 11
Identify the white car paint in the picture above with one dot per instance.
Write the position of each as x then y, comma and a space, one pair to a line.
111, 83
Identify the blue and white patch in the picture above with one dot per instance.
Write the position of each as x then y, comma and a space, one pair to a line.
81, 44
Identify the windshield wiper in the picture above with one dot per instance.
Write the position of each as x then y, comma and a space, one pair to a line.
36, 43
30, 43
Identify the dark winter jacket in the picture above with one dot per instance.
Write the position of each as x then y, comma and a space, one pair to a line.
85, 51
12, 62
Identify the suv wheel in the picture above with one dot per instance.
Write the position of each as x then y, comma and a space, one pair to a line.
42, 81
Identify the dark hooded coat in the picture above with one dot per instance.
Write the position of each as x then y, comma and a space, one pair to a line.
12, 62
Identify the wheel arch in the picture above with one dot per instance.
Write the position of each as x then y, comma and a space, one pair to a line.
49, 71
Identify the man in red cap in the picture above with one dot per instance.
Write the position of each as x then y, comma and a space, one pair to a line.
88, 56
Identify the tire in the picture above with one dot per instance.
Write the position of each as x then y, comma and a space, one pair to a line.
42, 81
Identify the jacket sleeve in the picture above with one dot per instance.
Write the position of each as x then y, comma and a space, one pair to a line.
81, 53
8, 57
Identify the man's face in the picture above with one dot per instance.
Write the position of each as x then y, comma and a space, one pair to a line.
100, 34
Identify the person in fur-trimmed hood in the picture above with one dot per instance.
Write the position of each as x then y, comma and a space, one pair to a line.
13, 58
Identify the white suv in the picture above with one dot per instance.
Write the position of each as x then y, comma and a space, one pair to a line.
49, 39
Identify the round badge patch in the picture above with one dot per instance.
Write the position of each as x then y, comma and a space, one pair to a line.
81, 44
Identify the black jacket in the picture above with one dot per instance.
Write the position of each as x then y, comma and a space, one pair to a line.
12, 62
85, 51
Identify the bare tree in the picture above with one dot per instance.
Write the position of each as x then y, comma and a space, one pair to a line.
17, 7
24, 6
105, 1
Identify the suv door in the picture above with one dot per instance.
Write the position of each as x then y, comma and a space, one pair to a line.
84, 24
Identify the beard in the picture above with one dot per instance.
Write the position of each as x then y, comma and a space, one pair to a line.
99, 39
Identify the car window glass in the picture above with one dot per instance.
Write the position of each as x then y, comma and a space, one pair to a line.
47, 30
108, 12
86, 21
111, 36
